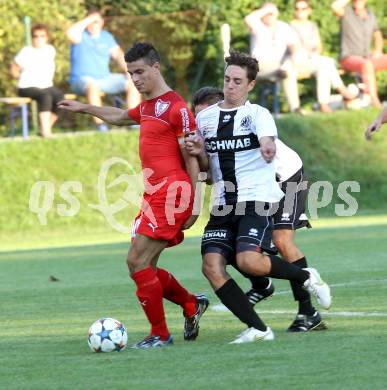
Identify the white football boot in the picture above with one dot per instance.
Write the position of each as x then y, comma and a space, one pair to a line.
316, 286
251, 334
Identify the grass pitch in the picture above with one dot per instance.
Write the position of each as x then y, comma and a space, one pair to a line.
43, 324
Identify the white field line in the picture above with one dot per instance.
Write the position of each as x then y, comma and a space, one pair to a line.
346, 284
220, 308
332, 313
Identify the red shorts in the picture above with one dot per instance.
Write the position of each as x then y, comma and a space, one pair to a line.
164, 212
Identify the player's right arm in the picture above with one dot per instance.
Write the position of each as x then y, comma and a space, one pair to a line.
113, 115
376, 124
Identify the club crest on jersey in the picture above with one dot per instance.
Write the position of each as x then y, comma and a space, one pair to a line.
161, 107
246, 122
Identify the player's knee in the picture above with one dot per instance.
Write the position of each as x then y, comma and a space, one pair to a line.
134, 261
249, 264
131, 262
214, 272
209, 270
281, 243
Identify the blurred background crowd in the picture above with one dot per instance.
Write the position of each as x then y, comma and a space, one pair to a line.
321, 55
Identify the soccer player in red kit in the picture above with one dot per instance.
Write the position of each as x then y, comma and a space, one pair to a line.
170, 175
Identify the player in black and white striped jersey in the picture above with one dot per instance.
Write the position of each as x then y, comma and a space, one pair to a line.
289, 169
239, 137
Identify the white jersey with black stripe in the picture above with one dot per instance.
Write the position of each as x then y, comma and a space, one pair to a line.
286, 161
231, 138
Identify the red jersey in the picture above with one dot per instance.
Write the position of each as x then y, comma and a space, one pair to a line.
162, 121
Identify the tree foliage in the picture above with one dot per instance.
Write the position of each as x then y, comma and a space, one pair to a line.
187, 33
57, 15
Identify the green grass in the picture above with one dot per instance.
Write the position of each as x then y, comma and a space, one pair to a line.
332, 146
43, 324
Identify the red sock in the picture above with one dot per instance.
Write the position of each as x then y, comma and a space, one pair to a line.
150, 295
176, 293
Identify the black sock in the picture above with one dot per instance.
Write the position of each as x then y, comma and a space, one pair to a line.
237, 302
257, 282
301, 295
281, 269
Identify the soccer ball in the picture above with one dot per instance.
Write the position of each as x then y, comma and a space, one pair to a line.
107, 335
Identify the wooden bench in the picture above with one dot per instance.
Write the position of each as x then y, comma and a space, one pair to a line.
18, 106
21, 103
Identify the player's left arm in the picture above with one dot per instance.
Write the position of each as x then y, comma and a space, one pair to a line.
376, 124
268, 148
193, 170
267, 133
183, 121
191, 165
194, 144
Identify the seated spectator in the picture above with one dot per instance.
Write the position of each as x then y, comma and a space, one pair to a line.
309, 60
358, 29
34, 67
91, 50
274, 45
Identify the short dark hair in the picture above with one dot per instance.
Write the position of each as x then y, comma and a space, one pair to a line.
93, 10
143, 50
207, 95
39, 27
244, 61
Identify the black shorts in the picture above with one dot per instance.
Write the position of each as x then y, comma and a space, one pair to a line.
291, 211
228, 234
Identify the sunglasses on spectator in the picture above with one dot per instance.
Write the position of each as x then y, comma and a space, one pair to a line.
39, 36
301, 8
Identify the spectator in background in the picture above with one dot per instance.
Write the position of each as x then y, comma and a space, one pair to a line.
91, 50
34, 67
274, 46
309, 60
358, 29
